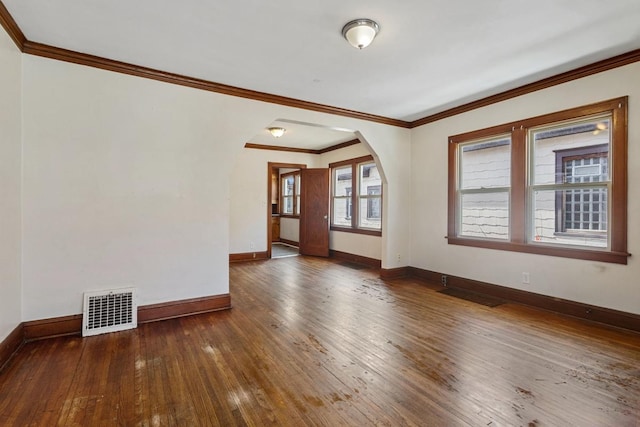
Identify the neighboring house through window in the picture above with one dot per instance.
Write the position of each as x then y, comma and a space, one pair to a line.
374, 205
583, 210
553, 185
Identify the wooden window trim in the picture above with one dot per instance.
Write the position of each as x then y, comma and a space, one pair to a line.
354, 197
519, 183
294, 196
357, 160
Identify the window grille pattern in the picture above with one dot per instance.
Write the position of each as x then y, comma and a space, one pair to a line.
586, 209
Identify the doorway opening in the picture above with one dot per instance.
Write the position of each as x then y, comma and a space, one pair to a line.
283, 250
283, 217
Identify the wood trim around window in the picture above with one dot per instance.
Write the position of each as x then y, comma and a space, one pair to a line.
354, 197
364, 231
341, 163
518, 208
294, 196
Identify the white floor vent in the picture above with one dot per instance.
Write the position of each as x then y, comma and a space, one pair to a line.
109, 311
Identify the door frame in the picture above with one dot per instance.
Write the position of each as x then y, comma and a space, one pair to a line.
271, 166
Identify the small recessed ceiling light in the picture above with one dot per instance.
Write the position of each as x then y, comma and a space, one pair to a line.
277, 132
360, 32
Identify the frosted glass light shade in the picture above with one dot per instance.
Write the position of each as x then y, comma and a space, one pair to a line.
360, 32
277, 132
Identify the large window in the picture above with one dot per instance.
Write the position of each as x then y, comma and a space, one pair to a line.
356, 196
290, 190
554, 184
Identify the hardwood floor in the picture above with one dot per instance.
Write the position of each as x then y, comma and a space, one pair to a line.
313, 342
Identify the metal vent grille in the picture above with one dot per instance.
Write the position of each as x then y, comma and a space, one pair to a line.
109, 311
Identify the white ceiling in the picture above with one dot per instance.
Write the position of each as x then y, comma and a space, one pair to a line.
305, 136
430, 55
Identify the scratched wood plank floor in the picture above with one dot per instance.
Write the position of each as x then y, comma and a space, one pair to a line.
313, 342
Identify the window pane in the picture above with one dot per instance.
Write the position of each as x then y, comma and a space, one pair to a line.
369, 176
287, 202
287, 185
342, 187
485, 215
574, 152
342, 211
571, 217
297, 187
341, 181
370, 212
486, 164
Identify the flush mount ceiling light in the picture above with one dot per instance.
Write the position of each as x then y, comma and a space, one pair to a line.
277, 132
360, 32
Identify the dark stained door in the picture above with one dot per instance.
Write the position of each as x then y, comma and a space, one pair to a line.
314, 212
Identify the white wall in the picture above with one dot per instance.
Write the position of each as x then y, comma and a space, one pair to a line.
602, 284
10, 198
290, 229
249, 183
121, 188
393, 156
133, 182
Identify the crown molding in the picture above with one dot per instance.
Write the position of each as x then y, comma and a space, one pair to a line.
52, 52
578, 73
47, 51
302, 150
279, 148
11, 27
339, 146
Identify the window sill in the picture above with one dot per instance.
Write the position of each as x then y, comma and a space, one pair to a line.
585, 254
357, 230
290, 216
580, 235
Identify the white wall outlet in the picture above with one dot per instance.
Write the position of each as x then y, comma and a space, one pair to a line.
252, 245
525, 278
398, 257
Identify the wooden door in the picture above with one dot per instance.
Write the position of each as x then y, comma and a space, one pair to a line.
314, 212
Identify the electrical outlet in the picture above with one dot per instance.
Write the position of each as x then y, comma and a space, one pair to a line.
398, 257
525, 278
252, 245
443, 279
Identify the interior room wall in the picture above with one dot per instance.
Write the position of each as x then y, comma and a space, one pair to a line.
132, 182
392, 153
248, 222
357, 244
290, 229
10, 185
122, 187
602, 284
